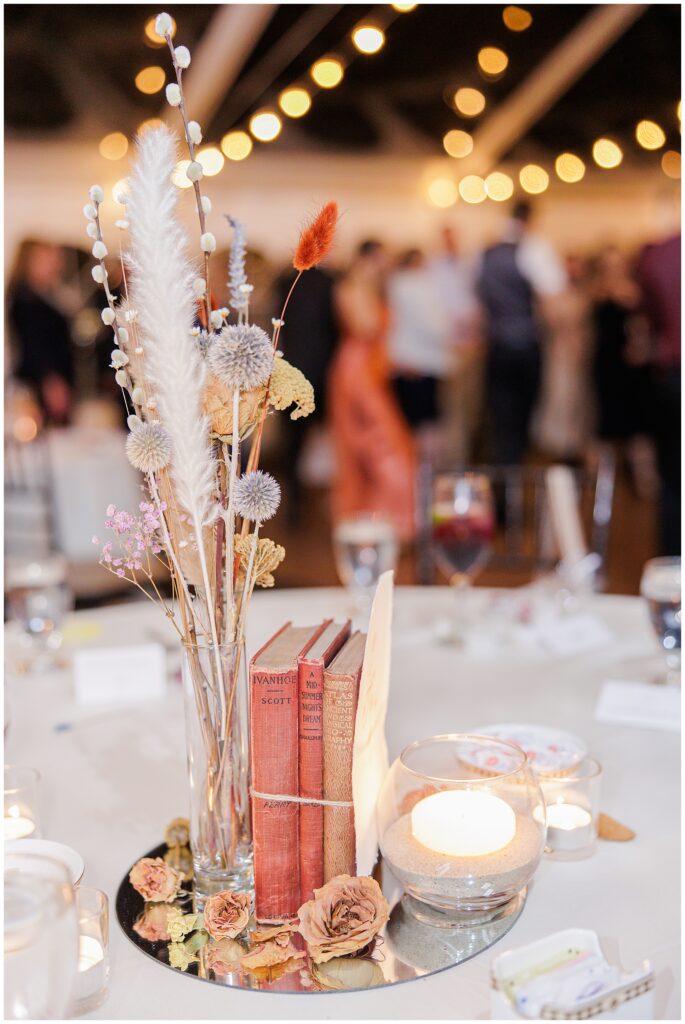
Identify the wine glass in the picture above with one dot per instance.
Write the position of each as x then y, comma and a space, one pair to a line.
38, 599
661, 587
41, 938
462, 530
365, 546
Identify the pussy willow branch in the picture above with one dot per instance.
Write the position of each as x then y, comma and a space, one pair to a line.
196, 184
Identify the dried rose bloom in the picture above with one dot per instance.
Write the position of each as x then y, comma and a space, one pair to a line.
344, 916
155, 880
227, 913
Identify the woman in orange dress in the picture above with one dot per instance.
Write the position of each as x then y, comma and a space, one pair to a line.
375, 458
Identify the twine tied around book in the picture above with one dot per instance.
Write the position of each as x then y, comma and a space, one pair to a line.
280, 798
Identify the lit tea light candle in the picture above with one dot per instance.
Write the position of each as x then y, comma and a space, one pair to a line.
17, 826
569, 826
463, 823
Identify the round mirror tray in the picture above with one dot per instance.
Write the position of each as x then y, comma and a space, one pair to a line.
415, 942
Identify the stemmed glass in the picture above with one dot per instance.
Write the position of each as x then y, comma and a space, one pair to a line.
661, 587
365, 546
41, 938
462, 531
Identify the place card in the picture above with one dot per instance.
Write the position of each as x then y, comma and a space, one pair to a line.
120, 675
575, 634
645, 705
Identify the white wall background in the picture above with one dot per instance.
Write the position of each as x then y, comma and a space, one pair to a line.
275, 192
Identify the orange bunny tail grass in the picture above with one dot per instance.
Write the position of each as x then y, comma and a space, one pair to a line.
316, 239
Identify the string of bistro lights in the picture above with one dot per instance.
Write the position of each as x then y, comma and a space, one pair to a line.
368, 38
570, 168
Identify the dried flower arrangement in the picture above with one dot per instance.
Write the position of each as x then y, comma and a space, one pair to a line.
195, 385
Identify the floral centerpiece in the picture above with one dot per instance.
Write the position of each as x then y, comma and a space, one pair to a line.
198, 383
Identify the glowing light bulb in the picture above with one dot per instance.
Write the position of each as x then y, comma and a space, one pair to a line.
151, 122
533, 179
492, 60
236, 145
295, 102
499, 186
405, 8
211, 160
569, 167
113, 146
368, 39
469, 102
150, 80
442, 192
670, 164
265, 125
517, 19
458, 143
650, 135
327, 72
607, 154
472, 189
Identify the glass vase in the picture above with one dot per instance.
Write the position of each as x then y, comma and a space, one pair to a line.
217, 736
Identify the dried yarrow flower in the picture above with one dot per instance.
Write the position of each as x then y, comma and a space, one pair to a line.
316, 239
267, 558
148, 447
289, 386
241, 356
257, 496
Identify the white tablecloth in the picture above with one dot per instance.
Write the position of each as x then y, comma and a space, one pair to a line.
113, 780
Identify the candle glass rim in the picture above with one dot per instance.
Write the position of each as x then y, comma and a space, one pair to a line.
593, 770
34, 780
33, 857
513, 748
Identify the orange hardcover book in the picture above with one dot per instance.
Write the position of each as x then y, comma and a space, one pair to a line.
274, 716
340, 695
311, 669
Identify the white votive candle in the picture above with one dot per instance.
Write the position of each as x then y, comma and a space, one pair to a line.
92, 968
17, 826
463, 823
569, 827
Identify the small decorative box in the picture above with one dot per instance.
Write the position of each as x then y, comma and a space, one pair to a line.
566, 976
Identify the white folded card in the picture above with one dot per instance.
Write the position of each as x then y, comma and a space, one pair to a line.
575, 634
120, 675
647, 705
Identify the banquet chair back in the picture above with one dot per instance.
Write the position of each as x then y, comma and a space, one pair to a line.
526, 542
29, 521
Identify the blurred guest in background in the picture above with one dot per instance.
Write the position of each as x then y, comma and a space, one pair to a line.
308, 340
659, 277
563, 423
420, 341
517, 278
41, 335
461, 393
375, 465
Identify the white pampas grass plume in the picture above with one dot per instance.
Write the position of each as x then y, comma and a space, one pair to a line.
107, 316
99, 250
163, 24
148, 447
98, 274
96, 193
89, 211
206, 203
241, 356
161, 287
257, 496
208, 242
182, 55
195, 132
194, 171
173, 95
92, 229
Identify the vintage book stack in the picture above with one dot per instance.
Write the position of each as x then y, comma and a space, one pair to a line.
304, 687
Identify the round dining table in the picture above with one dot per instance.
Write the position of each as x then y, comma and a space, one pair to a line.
114, 776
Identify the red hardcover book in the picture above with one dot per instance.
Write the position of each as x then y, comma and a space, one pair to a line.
274, 715
311, 669
340, 695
